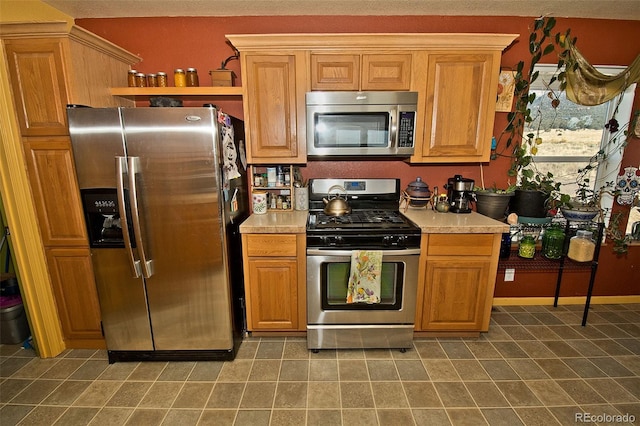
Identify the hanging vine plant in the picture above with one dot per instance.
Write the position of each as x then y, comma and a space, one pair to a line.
523, 147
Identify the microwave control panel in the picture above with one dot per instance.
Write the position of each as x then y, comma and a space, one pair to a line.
406, 124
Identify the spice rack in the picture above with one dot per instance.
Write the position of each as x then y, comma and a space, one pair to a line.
541, 264
280, 193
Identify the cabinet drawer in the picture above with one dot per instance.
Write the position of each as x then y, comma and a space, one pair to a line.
460, 244
261, 245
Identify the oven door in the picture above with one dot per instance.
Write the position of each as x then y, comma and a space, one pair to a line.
327, 282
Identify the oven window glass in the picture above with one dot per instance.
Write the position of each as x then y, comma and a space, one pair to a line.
352, 130
335, 280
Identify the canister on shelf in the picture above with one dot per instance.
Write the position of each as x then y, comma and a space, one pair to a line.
527, 247
131, 78
553, 242
141, 80
192, 77
152, 80
179, 78
581, 246
161, 78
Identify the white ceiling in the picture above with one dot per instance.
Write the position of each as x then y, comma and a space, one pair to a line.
598, 9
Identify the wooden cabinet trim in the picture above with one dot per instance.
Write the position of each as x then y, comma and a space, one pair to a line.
460, 245
271, 245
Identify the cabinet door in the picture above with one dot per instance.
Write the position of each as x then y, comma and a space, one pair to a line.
55, 190
274, 108
273, 285
460, 109
76, 296
335, 72
36, 67
455, 294
386, 72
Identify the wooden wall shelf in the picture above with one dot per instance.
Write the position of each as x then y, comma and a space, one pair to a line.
176, 91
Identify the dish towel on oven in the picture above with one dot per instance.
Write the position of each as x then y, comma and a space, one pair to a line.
364, 277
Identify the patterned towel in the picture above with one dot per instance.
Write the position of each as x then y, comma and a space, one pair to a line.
364, 278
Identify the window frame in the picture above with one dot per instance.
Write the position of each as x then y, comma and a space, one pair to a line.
612, 164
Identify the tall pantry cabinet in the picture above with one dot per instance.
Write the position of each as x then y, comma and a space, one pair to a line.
51, 66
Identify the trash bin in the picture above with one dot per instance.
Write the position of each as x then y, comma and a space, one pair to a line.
14, 327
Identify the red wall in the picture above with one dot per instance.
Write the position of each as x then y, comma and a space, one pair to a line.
181, 42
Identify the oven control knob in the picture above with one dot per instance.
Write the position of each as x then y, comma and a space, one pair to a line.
394, 240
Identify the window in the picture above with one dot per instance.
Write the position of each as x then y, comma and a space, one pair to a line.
573, 134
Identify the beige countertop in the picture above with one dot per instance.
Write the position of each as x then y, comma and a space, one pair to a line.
295, 222
432, 222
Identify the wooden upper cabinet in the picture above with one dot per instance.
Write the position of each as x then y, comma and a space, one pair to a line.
38, 80
51, 66
361, 71
461, 91
274, 88
55, 191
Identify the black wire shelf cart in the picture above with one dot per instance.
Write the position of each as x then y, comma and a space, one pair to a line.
571, 227
542, 264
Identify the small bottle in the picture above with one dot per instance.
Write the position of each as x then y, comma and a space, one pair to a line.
527, 247
287, 177
179, 78
505, 246
141, 80
257, 180
273, 201
553, 242
279, 202
131, 78
161, 78
582, 247
192, 77
152, 80
279, 176
285, 203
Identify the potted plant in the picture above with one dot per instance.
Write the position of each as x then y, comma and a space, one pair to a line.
584, 205
492, 201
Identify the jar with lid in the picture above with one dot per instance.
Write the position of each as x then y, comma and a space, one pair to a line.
141, 79
192, 77
581, 246
179, 78
527, 247
131, 78
152, 80
161, 78
553, 242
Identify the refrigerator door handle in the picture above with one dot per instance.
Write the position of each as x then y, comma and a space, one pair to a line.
121, 170
147, 264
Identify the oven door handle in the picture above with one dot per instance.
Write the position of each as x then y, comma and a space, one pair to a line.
336, 253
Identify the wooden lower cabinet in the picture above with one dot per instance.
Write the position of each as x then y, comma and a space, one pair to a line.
458, 273
455, 296
275, 284
76, 297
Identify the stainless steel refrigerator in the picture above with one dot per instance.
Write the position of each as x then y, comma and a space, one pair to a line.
164, 191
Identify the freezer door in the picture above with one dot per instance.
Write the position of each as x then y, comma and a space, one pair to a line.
123, 302
97, 139
179, 209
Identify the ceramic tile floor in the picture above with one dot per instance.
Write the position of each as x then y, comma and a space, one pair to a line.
536, 366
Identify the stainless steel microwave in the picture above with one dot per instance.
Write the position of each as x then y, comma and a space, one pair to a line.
361, 123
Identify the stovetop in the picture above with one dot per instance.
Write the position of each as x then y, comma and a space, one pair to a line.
359, 220
374, 221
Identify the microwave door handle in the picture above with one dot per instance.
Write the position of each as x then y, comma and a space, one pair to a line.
147, 264
121, 171
393, 128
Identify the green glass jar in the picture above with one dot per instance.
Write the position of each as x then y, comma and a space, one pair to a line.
553, 242
527, 247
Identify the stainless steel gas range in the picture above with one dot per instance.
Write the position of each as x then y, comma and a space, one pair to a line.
374, 227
